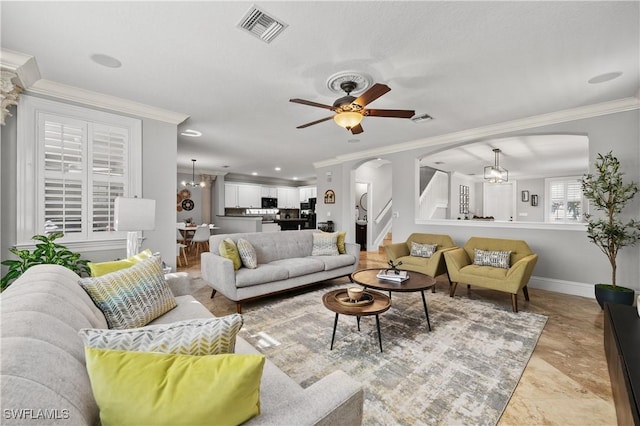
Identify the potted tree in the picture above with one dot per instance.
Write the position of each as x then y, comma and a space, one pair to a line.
47, 251
608, 193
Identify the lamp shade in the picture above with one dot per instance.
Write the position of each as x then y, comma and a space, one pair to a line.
348, 119
135, 214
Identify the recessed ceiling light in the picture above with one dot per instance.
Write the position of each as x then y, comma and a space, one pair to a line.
277, 169
191, 133
254, 173
604, 77
439, 162
295, 178
106, 60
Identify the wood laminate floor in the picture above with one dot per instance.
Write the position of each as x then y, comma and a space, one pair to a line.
566, 381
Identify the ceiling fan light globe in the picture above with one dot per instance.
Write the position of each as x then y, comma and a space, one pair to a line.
348, 119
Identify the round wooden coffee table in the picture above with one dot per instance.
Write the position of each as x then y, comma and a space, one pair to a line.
381, 303
416, 282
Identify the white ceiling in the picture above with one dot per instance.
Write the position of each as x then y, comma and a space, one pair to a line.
467, 64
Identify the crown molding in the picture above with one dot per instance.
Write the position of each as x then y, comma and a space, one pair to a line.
24, 66
87, 97
573, 114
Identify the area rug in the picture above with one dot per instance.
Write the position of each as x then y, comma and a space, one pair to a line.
463, 372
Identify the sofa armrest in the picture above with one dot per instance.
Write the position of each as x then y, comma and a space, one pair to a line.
352, 249
456, 259
336, 399
179, 283
521, 271
396, 250
218, 272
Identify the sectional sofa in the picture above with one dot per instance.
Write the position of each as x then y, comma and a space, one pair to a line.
285, 261
44, 378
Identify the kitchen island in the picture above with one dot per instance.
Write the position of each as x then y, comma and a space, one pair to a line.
291, 224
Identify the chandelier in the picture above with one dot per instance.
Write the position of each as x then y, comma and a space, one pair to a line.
193, 177
495, 173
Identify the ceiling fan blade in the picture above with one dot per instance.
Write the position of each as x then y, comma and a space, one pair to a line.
314, 122
357, 129
395, 113
315, 104
372, 94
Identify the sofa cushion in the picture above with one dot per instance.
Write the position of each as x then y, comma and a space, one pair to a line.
335, 262
131, 297
101, 268
497, 258
229, 250
169, 389
247, 254
325, 244
423, 250
207, 336
298, 266
264, 273
484, 273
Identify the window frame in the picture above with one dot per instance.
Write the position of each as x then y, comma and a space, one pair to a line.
547, 200
30, 171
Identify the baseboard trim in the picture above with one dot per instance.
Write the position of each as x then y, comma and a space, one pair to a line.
561, 286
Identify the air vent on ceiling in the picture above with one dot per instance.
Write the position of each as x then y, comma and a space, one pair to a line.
257, 23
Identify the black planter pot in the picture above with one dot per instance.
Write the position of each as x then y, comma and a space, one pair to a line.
607, 293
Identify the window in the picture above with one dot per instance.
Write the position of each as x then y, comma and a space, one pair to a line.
72, 164
564, 202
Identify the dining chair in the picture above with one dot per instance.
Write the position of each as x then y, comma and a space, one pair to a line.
200, 239
181, 251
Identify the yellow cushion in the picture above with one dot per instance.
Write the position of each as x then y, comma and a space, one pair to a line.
341, 236
101, 268
228, 249
150, 388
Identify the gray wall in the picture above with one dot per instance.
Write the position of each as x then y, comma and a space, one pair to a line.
565, 256
159, 148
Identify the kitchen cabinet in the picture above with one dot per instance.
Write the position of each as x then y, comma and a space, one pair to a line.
231, 195
288, 198
361, 236
269, 192
307, 192
249, 196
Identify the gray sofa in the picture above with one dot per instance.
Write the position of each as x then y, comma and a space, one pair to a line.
284, 263
44, 379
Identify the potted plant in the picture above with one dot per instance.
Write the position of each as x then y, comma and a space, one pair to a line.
46, 252
608, 193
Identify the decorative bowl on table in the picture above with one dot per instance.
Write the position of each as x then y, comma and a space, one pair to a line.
355, 293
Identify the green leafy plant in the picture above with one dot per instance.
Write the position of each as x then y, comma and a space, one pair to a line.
609, 194
46, 252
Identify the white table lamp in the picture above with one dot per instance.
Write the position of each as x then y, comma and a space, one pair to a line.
133, 215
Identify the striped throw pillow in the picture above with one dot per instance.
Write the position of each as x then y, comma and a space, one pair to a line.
497, 259
423, 250
205, 336
325, 244
247, 254
131, 297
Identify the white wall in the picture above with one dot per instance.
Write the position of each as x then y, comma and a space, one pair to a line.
566, 257
525, 211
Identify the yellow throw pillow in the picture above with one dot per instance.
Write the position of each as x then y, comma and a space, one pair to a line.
228, 249
150, 388
101, 268
341, 236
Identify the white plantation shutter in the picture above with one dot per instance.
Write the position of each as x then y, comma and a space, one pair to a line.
63, 147
108, 174
564, 200
72, 163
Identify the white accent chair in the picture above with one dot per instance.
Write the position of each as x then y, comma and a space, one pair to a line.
200, 240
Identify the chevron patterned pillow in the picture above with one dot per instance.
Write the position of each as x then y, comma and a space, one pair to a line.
497, 259
131, 297
204, 336
247, 254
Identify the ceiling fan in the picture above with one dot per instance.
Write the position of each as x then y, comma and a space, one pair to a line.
350, 110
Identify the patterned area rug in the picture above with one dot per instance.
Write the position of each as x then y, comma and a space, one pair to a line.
463, 372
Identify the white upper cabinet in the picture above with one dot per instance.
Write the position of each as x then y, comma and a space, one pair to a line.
269, 191
250, 196
288, 198
307, 192
231, 195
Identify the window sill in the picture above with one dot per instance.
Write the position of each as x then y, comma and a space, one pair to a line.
84, 246
505, 224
